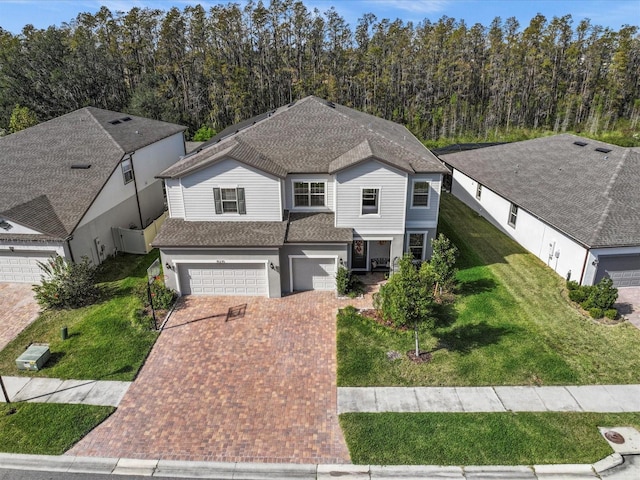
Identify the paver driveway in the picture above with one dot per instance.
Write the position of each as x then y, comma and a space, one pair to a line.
19, 310
234, 379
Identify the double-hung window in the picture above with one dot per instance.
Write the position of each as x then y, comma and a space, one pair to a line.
416, 245
513, 215
309, 194
420, 194
229, 200
370, 197
127, 171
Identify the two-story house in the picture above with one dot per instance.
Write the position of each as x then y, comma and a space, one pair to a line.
277, 203
66, 185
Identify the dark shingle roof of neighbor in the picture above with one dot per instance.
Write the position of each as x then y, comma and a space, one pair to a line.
590, 195
312, 136
316, 228
179, 233
38, 188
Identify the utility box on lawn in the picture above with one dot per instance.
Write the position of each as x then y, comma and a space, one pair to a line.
34, 357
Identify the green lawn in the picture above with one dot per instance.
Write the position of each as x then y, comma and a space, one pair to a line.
105, 342
44, 428
479, 438
511, 325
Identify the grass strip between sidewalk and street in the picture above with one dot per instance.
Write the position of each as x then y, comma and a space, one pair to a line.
46, 428
504, 438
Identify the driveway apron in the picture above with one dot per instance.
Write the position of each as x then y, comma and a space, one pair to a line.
19, 310
234, 379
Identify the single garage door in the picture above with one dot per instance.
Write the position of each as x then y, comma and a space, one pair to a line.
624, 270
224, 279
314, 274
22, 266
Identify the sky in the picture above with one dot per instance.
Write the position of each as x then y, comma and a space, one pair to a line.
15, 14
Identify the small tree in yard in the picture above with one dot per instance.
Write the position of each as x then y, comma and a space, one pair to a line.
443, 262
66, 284
406, 299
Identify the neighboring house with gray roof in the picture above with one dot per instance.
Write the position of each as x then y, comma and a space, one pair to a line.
278, 202
66, 183
572, 201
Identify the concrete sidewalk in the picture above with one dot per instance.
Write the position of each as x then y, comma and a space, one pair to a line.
586, 398
55, 390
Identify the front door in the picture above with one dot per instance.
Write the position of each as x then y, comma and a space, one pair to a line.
359, 255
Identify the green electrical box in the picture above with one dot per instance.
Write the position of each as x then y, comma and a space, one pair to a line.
34, 357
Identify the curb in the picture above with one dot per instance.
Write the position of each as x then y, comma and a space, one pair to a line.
262, 471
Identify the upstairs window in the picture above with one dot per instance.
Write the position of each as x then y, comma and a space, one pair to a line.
370, 200
513, 215
309, 194
127, 171
420, 194
229, 200
479, 192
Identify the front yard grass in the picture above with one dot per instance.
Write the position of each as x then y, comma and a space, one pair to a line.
46, 428
479, 438
510, 325
106, 341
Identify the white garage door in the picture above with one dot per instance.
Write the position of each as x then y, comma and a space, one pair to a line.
314, 273
224, 279
21, 266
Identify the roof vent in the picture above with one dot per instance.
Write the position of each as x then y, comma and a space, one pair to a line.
126, 119
331, 104
81, 166
115, 122
291, 104
603, 150
580, 143
5, 225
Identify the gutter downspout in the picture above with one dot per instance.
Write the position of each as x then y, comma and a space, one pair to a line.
68, 240
584, 266
135, 186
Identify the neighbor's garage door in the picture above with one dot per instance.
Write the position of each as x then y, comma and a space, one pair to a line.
21, 266
224, 279
314, 273
624, 270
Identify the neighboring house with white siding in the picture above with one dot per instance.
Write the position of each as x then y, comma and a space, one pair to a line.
66, 185
572, 201
277, 203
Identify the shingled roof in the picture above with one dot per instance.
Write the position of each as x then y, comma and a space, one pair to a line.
312, 136
38, 187
591, 195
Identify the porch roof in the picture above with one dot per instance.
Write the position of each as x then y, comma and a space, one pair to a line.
316, 227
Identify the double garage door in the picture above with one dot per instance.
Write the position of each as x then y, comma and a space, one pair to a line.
624, 270
22, 267
224, 279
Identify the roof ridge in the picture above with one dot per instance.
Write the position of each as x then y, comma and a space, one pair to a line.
102, 128
605, 213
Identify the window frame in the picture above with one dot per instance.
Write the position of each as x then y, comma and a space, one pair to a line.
127, 172
422, 247
309, 194
228, 201
373, 209
513, 215
427, 194
240, 200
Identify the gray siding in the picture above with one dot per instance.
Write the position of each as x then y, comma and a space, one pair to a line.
426, 216
341, 251
262, 193
183, 256
174, 197
315, 177
371, 174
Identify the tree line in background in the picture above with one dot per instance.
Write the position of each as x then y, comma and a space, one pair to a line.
441, 79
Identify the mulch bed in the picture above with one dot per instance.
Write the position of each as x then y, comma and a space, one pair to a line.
424, 357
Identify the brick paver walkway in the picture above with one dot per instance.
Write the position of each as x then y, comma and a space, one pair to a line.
258, 385
19, 310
